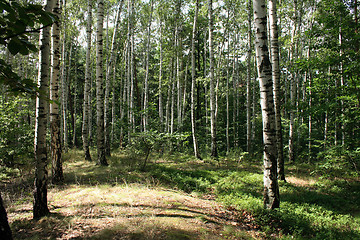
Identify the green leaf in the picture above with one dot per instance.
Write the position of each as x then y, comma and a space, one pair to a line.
13, 46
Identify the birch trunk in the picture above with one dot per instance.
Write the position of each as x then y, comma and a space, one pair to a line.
275, 59
293, 80
212, 84
87, 89
161, 111
108, 83
57, 169
193, 82
40, 206
146, 90
271, 188
99, 86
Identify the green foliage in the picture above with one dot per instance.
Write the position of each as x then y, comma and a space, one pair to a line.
16, 132
17, 23
337, 161
143, 143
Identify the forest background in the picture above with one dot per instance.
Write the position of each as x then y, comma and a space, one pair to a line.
164, 77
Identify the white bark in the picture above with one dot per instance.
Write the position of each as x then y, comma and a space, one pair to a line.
146, 90
193, 82
87, 89
212, 84
40, 207
57, 171
271, 188
99, 86
275, 60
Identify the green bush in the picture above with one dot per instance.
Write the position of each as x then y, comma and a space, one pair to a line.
16, 132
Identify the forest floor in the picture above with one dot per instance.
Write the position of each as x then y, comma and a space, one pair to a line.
173, 198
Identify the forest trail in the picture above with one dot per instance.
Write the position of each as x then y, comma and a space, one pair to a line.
92, 206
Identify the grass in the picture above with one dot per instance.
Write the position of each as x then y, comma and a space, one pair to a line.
180, 197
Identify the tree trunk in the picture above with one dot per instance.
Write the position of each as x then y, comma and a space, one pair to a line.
271, 188
5, 231
276, 81
248, 82
99, 86
108, 83
161, 111
57, 169
193, 82
40, 207
146, 90
214, 153
293, 80
87, 89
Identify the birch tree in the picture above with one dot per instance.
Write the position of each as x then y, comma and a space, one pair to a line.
99, 86
275, 60
193, 81
212, 84
87, 89
40, 206
146, 90
271, 188
57, 170
108, 82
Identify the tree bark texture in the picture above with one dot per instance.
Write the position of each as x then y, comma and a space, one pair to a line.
57, 169
193, 82
99, 86
271, 188
275, 59
87, 89
40, 207
212, 84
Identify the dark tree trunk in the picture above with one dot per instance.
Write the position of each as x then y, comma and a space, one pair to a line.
5, 231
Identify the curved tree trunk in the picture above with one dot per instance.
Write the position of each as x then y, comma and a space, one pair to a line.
87, 89
40, 207
99, 86
271, 188
57, 169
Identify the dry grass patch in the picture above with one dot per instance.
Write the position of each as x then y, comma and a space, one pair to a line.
126, 212
301, 182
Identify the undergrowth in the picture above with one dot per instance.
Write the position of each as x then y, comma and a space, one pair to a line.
312, 207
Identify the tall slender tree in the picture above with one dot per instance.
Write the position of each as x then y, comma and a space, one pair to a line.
57, 169
193, 83
87, 89
271, 188
248, 79
146, 90
275, 61
40, 206
99, 86
212, 83
108, 82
